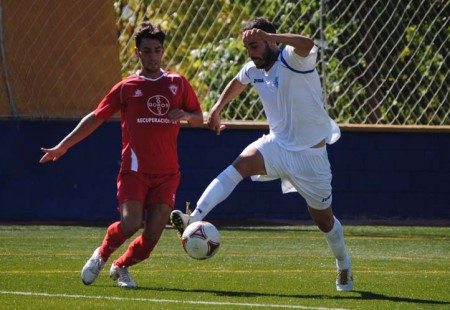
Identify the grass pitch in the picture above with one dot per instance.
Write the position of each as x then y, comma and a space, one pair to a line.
256, 267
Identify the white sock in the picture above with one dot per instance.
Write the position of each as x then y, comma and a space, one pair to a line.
216, 192
335, 240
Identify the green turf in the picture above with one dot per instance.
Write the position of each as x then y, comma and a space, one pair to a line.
256, 267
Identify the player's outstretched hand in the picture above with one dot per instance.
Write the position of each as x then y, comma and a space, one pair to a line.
52, 154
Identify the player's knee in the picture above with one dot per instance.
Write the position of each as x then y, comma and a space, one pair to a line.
324, 219
130, 227
248, 166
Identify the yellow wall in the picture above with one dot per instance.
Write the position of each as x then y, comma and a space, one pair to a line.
62, 56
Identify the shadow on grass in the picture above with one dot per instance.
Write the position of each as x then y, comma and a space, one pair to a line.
375, 296
363, 295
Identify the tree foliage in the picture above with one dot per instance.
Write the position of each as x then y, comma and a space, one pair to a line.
384, 61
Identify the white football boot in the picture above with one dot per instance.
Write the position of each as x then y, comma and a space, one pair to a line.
122, 276
92, 268
344, 280
179, 221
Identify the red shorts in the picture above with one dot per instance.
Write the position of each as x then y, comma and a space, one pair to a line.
148, 188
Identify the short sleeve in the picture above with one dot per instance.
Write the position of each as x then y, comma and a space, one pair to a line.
243, 77
110, 104
298, 62
190, 99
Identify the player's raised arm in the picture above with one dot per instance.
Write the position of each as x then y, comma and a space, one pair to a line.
302, 45
231, 91
84, 128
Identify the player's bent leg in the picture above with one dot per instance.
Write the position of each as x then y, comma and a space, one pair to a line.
179, 221
324, 219
131, 217
122, 276
249, 162
217, 191
334, 235
92, 268
344, 280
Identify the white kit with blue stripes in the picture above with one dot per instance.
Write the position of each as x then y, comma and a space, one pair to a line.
291, 95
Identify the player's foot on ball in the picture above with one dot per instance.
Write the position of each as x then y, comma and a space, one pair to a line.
122, 276
344, 280
179, 221
92, 268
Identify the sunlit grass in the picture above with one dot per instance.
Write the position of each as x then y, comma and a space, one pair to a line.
256, 267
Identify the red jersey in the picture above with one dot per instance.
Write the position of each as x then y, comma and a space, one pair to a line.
149, 137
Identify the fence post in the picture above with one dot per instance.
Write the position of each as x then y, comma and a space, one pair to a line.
322, 55
12, 103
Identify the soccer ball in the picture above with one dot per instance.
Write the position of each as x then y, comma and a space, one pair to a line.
201, 240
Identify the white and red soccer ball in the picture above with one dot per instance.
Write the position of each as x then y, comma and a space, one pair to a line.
201, 240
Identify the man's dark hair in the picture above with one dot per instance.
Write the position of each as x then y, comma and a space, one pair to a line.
147, 30
260, 23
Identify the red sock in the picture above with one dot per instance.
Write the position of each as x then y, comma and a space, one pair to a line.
112, 241
138, 250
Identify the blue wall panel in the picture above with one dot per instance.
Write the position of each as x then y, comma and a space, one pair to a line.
375, 175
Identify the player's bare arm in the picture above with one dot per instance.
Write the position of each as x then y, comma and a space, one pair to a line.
302, 45
231, 91
194, 118
84, 128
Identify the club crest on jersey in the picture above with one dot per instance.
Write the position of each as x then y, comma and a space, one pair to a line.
173, 88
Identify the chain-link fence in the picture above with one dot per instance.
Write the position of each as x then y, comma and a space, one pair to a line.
381, 61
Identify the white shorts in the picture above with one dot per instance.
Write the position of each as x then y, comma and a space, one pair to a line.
308, 172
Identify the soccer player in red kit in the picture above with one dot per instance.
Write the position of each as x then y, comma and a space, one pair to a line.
152, 103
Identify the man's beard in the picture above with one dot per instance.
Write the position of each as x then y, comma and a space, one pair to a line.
268, 59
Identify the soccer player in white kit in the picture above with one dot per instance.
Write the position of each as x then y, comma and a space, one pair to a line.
295, 148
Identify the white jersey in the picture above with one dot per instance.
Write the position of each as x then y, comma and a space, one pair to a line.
291, 95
